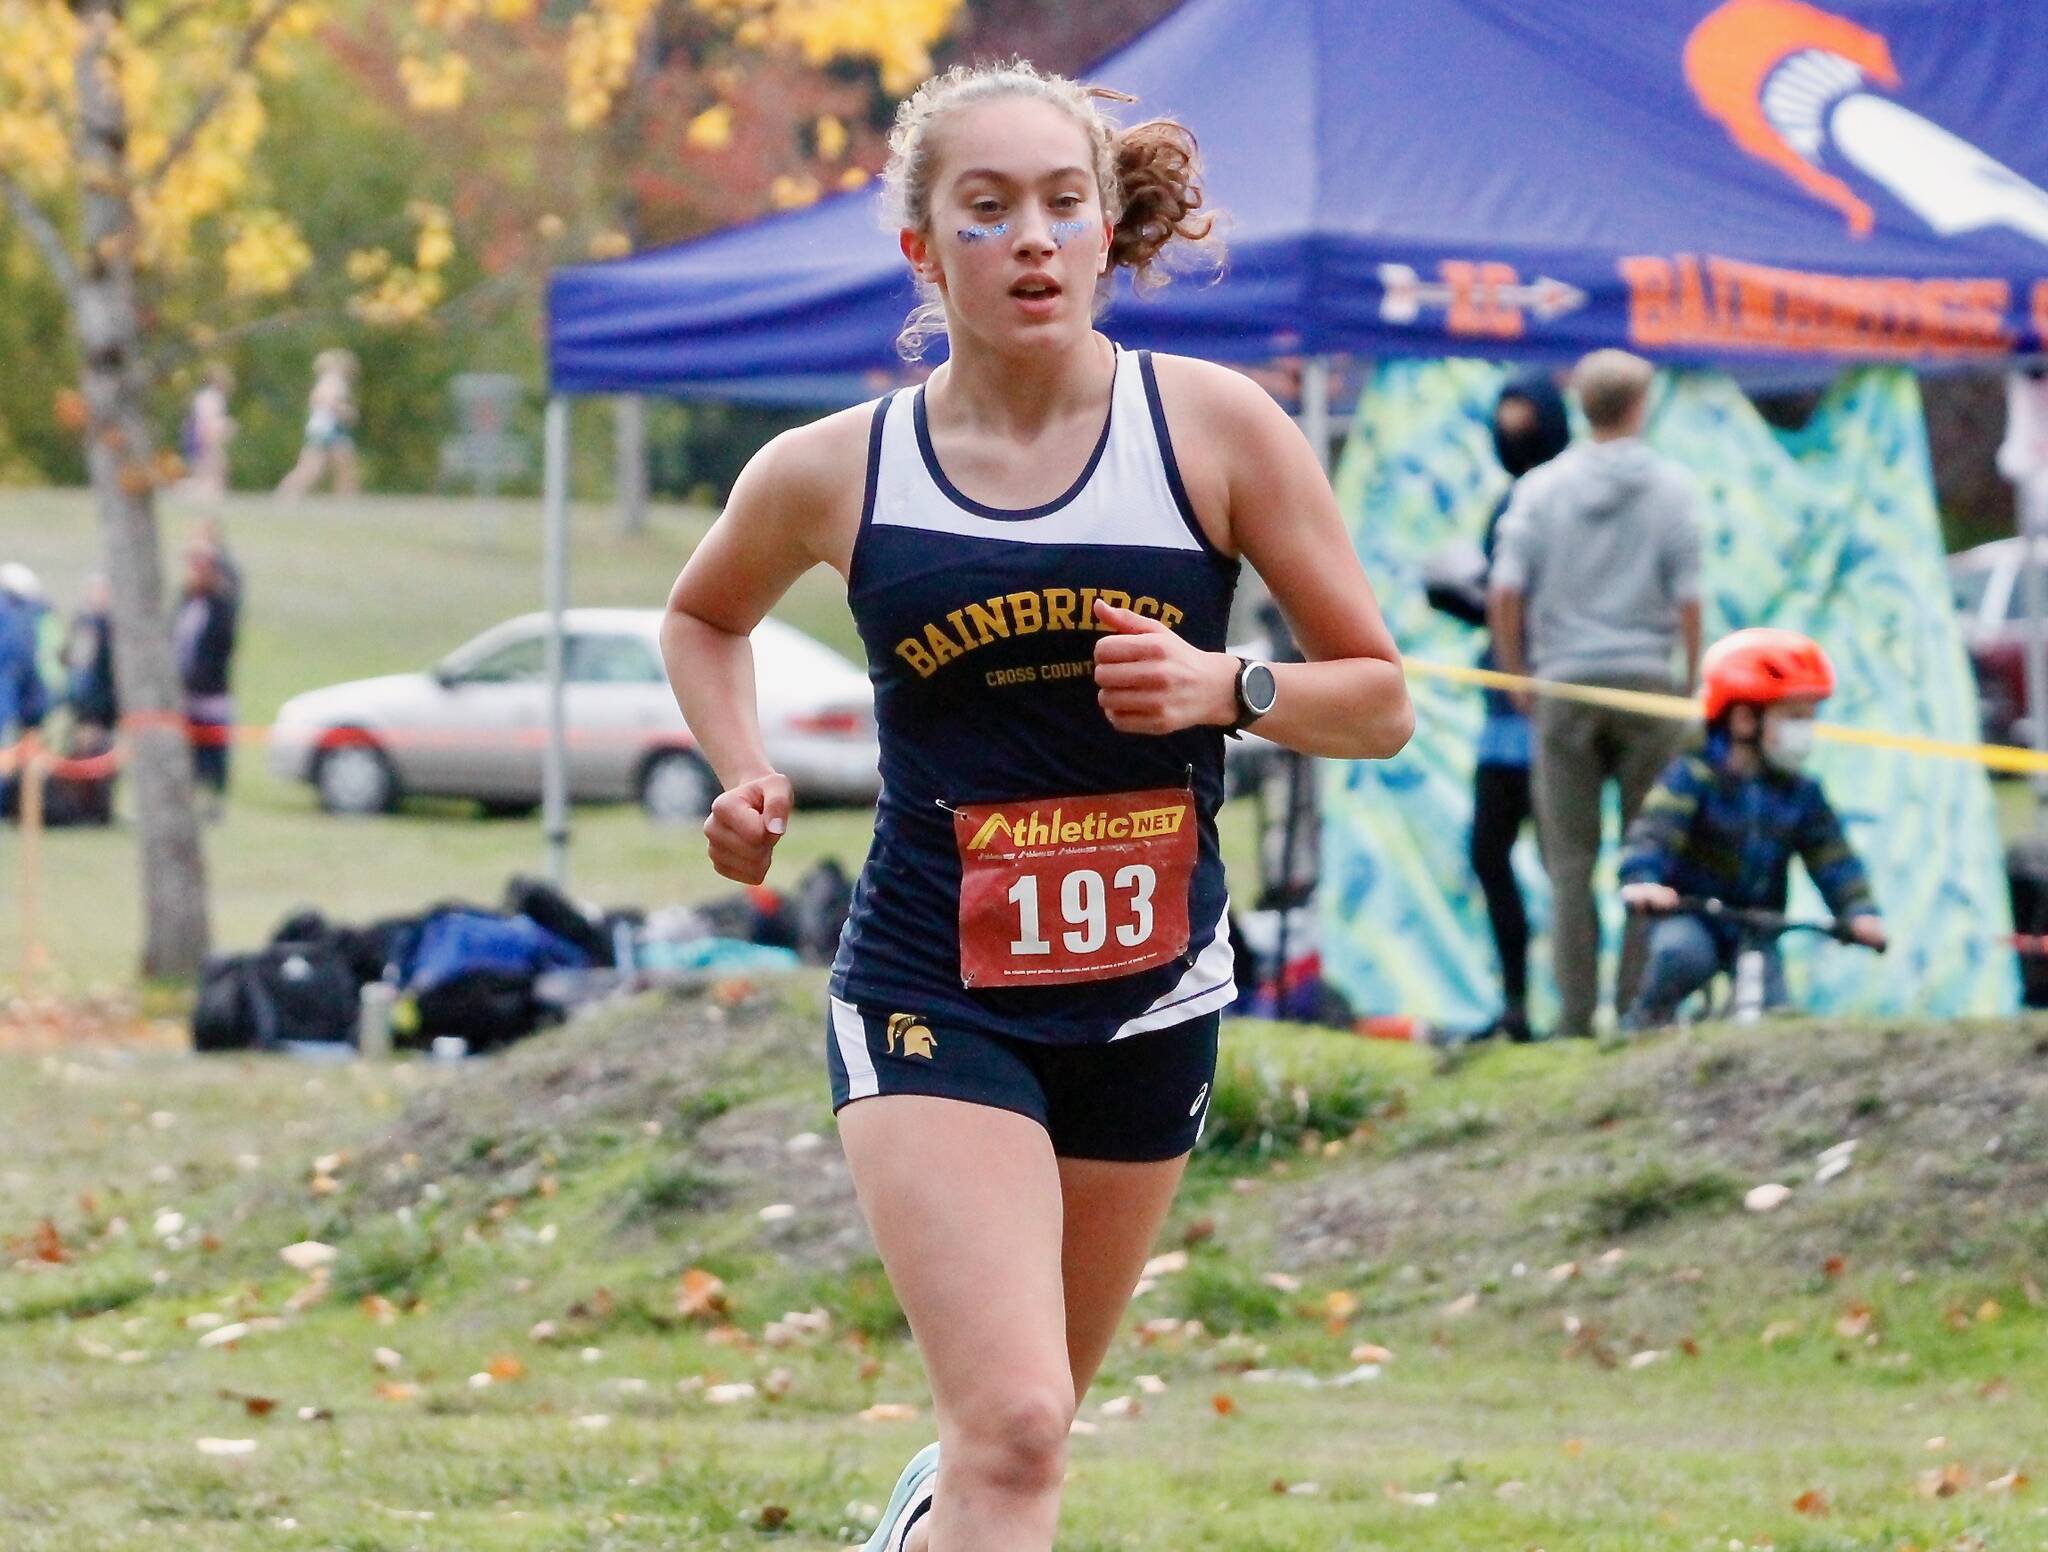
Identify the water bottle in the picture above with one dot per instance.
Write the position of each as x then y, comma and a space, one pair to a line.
1749, 985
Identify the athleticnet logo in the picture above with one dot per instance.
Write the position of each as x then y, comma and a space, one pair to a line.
1040, 828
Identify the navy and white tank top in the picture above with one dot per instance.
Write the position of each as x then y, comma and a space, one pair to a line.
980, 635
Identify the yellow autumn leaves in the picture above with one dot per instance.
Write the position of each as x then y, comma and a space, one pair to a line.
896, 34
394, 293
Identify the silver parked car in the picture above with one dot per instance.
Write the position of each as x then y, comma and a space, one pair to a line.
475, 725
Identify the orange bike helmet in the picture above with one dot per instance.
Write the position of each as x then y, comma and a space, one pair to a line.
1759, 666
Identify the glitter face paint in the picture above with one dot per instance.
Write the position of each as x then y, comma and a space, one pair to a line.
980, 234
1064, 232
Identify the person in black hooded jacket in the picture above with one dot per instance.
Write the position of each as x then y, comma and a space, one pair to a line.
1530, 427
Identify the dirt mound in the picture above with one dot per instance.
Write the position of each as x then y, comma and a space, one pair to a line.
1938, 1137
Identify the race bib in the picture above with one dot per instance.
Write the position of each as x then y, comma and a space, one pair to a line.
1058, 890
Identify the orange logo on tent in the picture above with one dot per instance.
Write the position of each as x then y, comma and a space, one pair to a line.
1730, 60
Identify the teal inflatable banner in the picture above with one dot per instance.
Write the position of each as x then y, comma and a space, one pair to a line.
1831, 530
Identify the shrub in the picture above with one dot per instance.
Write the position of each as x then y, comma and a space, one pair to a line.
1653, 1194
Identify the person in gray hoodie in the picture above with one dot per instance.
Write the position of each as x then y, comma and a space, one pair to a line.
1595, 581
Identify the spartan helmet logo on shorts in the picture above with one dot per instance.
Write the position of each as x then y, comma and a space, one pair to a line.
917, 1040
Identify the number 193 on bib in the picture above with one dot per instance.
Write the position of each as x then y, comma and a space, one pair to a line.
1059, 890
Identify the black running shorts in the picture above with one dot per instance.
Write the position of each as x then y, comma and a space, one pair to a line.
1137, 1100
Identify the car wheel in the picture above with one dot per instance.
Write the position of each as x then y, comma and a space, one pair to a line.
355, 778
677, 787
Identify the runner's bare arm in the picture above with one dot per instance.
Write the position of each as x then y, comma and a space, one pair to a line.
1258, 490
789, 511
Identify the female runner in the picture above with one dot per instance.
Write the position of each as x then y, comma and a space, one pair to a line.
1040, 547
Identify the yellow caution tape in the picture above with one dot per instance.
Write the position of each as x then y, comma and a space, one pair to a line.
1683, 708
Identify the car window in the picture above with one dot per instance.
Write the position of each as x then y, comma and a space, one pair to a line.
513, 663
611, 660
1969, 585
2016, 596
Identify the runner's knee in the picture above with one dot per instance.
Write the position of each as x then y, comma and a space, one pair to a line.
1015, 1441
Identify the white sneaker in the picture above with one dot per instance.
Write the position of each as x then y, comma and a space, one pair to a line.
911, 1500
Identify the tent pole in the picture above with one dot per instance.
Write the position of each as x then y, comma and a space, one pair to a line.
2033, 501
1315, 406
554, 776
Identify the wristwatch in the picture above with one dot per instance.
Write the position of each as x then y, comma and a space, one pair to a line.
1256, 691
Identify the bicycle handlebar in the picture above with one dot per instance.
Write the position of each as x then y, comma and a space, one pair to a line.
1754, 919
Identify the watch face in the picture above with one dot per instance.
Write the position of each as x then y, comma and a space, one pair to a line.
1259, 689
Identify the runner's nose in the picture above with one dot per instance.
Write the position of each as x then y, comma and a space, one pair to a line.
1034, 234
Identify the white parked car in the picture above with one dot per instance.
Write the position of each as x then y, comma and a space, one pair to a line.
475, 725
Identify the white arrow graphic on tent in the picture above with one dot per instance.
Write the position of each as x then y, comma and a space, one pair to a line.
1406, 294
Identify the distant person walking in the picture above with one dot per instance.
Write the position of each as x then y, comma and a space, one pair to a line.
89, 660
24, 694
1595, 581
1530, 427
208, 434
330, 428
204, 634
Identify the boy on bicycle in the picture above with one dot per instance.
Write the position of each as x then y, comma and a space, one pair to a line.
1724, 822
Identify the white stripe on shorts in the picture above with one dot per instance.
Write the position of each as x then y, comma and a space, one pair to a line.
852, 1036
1208, 984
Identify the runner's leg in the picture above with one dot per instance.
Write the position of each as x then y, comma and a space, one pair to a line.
1112, 1216
963, 1201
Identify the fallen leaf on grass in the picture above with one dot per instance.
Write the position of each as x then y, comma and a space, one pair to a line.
1813, 1501
1122, 1406
1419, 1500
1222, 1405
379, 1309
700, 1296
1997, 1388
2011, 1482
1371, 1352
1855, 1321
387, 1359
1833, 1267
255, 1406
307, 1255
506, 1367
47, 1245
772, 1517
1162, 1266
1766, 1198
1778, 1331
777, 1383
1574, 1448
226, 1446
1151, 1384
225, 1336
1646, 1357
396, 1390
1283, 1282
591, 1421
728, 1395
599, 1305
888, 1412
1943, 1481
1464, 1304
1990, 1309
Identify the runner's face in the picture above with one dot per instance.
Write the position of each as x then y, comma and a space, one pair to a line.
1017, 235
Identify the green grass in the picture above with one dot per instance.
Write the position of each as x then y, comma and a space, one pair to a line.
1818, 1348
346, 589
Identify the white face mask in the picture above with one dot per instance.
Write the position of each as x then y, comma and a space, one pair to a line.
1788, 741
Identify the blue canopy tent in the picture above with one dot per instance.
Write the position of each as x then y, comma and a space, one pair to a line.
1753, 184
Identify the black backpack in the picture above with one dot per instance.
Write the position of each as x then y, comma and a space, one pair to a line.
289, 992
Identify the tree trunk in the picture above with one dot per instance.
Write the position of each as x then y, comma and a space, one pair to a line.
629, 429
120, 456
